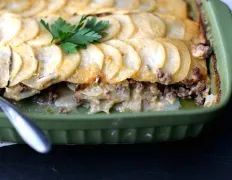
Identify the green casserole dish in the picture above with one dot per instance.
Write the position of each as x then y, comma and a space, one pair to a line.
146, 127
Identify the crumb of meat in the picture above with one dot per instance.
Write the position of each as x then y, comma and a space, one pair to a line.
164, 78
201, 51
199, 100
198, 88
138, 86
52, 97
169, 93
197, 73
22, 88
64, 110
120, 88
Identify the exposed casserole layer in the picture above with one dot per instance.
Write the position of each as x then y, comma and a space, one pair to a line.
152, 50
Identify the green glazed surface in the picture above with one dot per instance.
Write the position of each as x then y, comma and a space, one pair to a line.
80, 128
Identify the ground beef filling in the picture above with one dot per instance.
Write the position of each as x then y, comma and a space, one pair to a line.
164, 78
197, 91
133, 90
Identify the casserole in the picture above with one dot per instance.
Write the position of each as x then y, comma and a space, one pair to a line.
79, 128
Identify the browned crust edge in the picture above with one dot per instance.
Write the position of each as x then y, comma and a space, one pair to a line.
216, 77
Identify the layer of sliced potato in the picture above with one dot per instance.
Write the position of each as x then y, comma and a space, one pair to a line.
3, 4
131, 61
147, 5
173, 60
127, 26
29, 30
175, 27
112, 61
68, 66
10, 26
14, 93
16, 65
185, 57
36, 7
5, 58
153, 56
74, 6
192, 30
30, 64
128, 4
18, 5
52, 7
148, 26
112, 30
49, 58
44, 37
197, 63
177, 8
101, 3
90, 67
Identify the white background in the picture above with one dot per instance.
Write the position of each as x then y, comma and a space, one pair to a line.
228, 2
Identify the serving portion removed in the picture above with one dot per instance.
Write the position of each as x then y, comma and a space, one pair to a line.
128, 56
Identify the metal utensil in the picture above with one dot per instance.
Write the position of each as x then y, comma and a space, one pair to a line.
28, 131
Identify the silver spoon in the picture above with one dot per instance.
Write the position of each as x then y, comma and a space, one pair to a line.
28, 131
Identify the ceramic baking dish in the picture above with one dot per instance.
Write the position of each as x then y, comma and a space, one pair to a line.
80, 128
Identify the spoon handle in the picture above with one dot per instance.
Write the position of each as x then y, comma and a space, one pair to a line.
28, 131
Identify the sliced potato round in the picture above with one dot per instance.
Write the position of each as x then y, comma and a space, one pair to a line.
177, 8
147, 5
127, 26
90, 66
36, 7
68, 66
173, 61
30, 64
10, 26
112, 61
148, 26
128, 4
74, 19
49, 57
15, 94
44, 37
18, 5
197, 63
112, 30
74, 6
3, 4
131, 61
192, 30
153, 56
101, 3
52, 7
65, 98
185, 57
5, 58
30, 29
175, 27
16, 65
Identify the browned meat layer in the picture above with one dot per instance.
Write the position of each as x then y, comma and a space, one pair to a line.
197, 91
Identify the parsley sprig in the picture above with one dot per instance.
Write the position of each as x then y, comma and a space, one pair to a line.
73, 37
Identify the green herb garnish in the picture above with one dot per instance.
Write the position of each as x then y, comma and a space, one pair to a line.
73, 37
